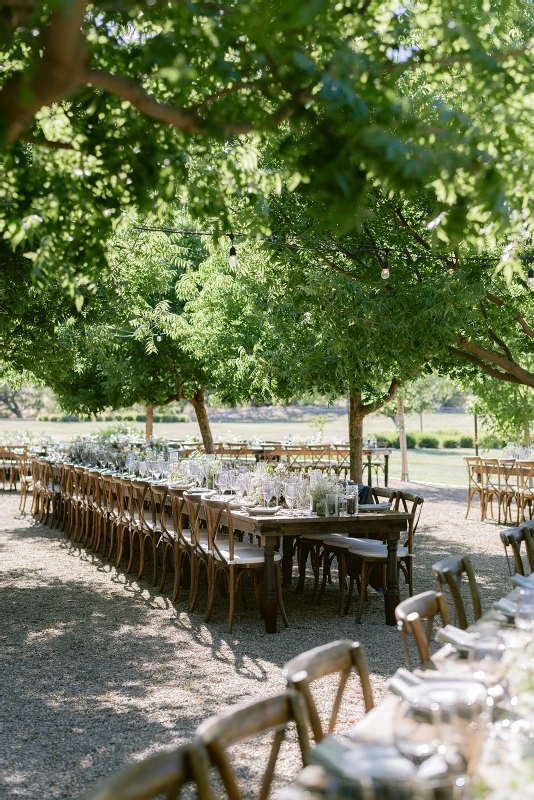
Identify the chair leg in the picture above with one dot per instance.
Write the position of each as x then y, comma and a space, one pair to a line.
231, 589
142, 543
363, 592
279, 595
177, 559
195, 580
212, 590
316, 564
303, 551
132, 548
164, 566
342, 573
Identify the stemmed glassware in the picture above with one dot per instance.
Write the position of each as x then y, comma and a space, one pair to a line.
267, 491
291, 494
524, 615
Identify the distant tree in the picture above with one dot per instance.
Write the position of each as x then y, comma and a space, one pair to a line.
424, 394
507, 410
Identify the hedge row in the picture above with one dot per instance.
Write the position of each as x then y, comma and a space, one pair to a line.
113, 418
427, 441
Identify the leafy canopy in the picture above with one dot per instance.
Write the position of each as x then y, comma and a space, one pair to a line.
110, 106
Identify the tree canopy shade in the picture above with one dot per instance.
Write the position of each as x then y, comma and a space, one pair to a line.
109, 105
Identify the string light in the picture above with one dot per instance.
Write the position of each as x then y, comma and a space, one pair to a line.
385, 268
530, 278
233, 252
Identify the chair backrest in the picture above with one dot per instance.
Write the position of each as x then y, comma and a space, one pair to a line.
384, 495
164, 774
514, 538
473, 465
412, 504
525, 477
448, 572
329, 659
193, 503
158, 497
491, 474
411, 613
216, 511
177, 510
528, 524
242, 722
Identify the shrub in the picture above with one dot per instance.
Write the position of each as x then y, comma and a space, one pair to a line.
69, 418
410, 441
44, 418
108, 418
428, 441
55, 418
140, 418
450, 444
127, 418
491, 442
98, 418
466, 441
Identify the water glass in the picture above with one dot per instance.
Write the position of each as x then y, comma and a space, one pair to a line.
524, 615
332, 504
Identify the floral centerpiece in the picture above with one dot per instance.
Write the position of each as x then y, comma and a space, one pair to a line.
320, 487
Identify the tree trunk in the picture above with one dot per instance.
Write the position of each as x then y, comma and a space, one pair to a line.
402, 441
527, 434
421, 420
356, 417
199, 404
149, 427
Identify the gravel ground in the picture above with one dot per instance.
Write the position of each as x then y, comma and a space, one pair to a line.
101, 669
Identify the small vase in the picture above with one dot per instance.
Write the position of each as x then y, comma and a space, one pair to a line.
320, 507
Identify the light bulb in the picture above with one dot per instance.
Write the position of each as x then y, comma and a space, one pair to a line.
158, 338
233, 257
385, 268
530, 278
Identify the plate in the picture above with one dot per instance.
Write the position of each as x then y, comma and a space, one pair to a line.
262, 511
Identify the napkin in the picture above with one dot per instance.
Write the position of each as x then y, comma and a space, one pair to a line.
522, 581
506, 607
462, 640
346, 759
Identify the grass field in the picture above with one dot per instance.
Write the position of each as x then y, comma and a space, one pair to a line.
434, 466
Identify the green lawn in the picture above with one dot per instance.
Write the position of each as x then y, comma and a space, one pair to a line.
433, 466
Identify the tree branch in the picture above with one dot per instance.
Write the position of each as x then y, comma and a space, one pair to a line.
48, 143
56, 75
185, 120
524, 324
495, 373
237, 87
506, 364
337, 268
392, 391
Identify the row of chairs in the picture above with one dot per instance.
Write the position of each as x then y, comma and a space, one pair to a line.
506, 481
207, 756
449, 574
359, 558
113, 514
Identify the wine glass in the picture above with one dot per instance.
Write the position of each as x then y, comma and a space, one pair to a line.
221, 481
143, 468
291, 494
267, 491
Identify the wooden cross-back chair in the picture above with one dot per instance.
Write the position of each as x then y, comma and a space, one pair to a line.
341, 454
233, 558
514, 538
183, 541
319, 456
240, 723
199, 552
475, 484
135, 492
26, 480
295, 455
370, 555
448, 573
524, 495
341, 657
411, 614
164, 774
493, 486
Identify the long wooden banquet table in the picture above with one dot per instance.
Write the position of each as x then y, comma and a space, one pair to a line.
378, 725
383, 525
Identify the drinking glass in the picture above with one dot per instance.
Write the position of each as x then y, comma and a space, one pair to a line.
524, 615
143, 468
291, 494
268, 492
221, 481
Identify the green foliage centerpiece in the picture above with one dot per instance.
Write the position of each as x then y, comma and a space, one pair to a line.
321, 486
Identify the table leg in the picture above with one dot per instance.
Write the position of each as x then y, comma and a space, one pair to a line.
287, 560
369, 472
270, 605
386, 470
392, 598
